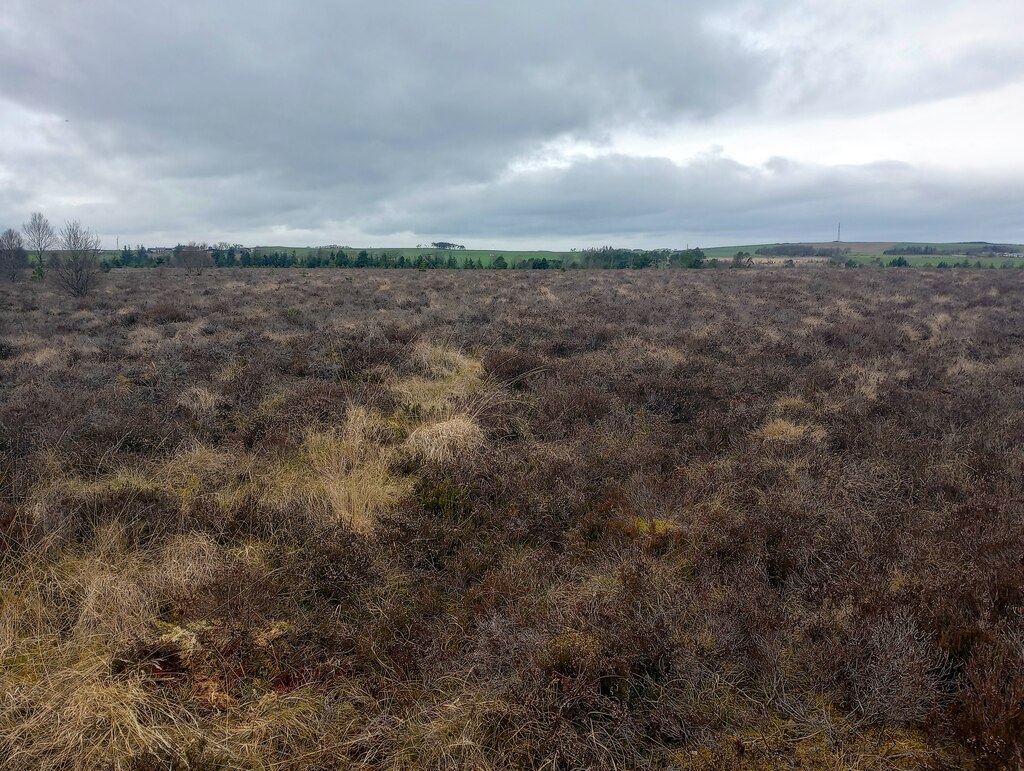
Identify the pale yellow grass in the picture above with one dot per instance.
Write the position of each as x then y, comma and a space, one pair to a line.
231, 370
188, 560
344, 473
45, 502
938, 325
449, 374
351, 468
194, 471
143, 340
69, 702
198, 470
70, 714
771, 334
842, 308
444, 441
792, 404
44, 357
199, 401
81, 346
443, 360
62, 619
548, 295
115, 601
783, 430
451, 727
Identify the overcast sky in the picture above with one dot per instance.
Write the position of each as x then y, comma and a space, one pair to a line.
534, 123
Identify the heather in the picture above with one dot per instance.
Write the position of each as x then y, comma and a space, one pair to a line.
692, 519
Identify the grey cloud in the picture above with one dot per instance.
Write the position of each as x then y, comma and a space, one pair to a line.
398, 91
713, 199
232, 116
198, 120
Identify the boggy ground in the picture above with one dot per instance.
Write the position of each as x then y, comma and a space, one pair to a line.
694, 520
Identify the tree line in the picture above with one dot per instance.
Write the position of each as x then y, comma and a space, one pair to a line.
835, 253
968, 250
199, 256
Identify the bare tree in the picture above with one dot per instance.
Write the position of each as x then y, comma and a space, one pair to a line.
193, 257
12, 253
39, 239
76, 268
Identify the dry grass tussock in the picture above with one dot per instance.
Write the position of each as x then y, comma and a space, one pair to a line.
448, 375
61, 621
783, 430
345, 473
200, 401
444, 441
76, 694
69, 713
796, 404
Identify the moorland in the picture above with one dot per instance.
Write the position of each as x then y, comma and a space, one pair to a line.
736, 519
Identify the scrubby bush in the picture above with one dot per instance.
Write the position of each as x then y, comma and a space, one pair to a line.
76, 267
193, 257
13, 257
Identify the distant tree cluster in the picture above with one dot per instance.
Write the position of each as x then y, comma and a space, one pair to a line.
340, 258
136, 258
611, 257
908, 250
803, 250
989, 250
966, 250
447, 245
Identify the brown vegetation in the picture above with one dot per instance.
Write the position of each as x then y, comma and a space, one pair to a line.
473, 519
